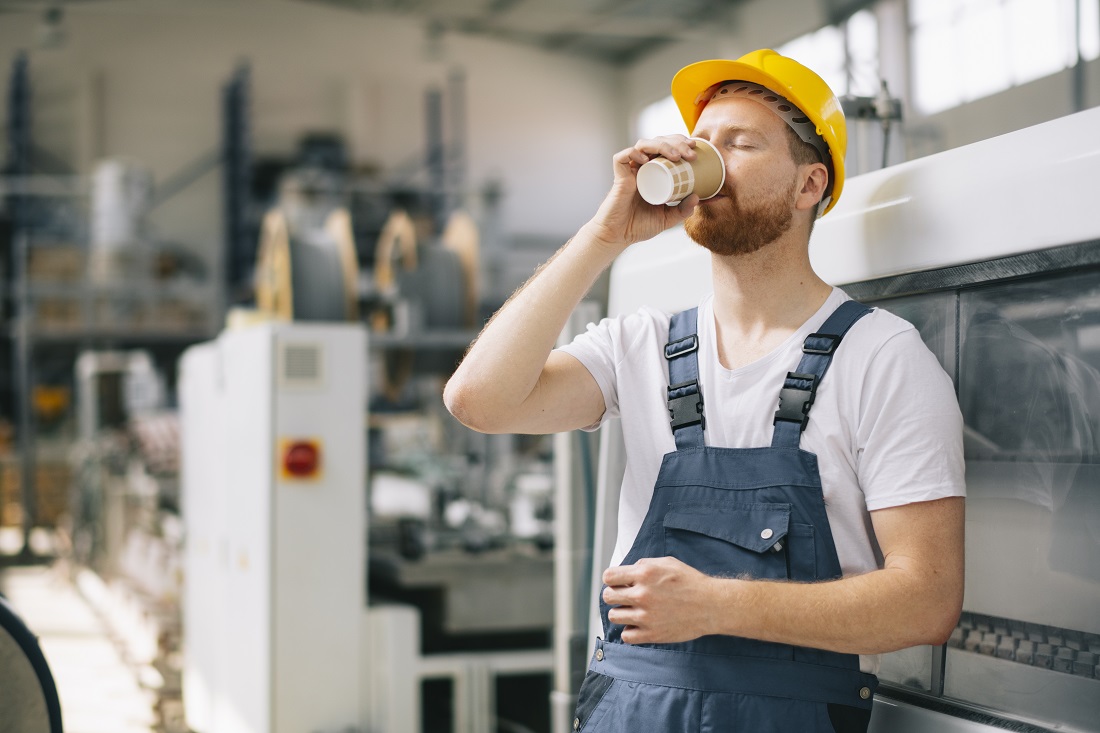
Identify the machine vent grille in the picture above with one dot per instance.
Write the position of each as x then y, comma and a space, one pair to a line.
301, 364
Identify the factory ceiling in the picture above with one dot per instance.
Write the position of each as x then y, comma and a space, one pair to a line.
613, 31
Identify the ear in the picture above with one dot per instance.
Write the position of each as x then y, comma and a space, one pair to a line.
815, 177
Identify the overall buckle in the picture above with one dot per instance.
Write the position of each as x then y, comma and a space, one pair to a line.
686, 410
794, 402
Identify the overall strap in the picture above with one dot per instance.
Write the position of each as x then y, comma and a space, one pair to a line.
800, 387
685, 396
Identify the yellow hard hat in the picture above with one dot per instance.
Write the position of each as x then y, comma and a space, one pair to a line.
786, 77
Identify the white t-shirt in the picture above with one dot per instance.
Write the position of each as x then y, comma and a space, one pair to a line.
885, 424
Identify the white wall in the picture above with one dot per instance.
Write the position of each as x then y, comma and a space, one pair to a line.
142, 79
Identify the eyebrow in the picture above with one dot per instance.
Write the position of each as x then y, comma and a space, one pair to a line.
734, 129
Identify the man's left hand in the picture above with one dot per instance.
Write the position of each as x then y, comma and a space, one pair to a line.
660, 601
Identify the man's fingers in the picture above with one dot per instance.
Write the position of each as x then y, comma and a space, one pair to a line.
670, 146
631, 155
617, 595
643, 569
626, 616
687, 206
620, 575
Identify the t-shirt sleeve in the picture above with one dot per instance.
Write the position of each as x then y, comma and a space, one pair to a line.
596, 349
910, 434
606, 346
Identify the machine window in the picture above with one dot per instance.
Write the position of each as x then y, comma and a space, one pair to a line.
1029, 387
1026, 363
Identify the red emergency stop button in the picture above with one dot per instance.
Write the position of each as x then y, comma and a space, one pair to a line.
301, 459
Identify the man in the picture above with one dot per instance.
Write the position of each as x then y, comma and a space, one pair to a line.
764, 555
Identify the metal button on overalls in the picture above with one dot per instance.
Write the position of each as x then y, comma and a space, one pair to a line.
755, 512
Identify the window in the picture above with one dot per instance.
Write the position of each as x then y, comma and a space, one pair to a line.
844, 55
963, 50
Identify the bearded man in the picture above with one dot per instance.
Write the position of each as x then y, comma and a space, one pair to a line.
766, 551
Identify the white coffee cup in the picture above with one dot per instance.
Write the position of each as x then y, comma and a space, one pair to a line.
664, 181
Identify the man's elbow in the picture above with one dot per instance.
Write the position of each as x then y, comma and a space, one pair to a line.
459, 402
948, 620
942, 618
940, 632
468, 407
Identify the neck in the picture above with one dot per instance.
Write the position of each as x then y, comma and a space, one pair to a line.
762, 298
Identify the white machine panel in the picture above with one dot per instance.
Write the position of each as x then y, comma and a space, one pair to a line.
274, 593
206, 551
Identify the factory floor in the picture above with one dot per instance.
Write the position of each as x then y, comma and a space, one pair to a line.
99, 692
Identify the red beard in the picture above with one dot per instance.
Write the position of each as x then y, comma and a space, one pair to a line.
732, 228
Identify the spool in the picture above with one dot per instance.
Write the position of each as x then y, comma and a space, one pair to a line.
308, 275
461, 237
431, 287
396, 244
274, 292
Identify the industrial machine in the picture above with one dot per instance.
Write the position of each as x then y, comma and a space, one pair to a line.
284, 525
993, 252
274, 464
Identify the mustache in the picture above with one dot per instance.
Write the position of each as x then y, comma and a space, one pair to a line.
727, 191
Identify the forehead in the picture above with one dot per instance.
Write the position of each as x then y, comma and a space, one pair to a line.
739, 112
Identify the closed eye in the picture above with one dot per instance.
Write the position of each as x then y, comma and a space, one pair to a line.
741, 141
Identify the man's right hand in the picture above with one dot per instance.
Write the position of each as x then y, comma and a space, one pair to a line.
625, 217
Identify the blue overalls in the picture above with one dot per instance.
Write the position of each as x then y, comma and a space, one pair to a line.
756, 512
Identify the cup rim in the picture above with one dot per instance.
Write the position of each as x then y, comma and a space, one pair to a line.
655, 176
722, 160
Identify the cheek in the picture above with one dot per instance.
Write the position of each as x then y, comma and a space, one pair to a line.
748, 170
756, 178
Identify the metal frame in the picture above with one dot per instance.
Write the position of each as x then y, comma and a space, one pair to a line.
20, 186
19, 165
240, 244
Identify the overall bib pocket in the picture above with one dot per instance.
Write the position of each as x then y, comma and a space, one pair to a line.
725, 539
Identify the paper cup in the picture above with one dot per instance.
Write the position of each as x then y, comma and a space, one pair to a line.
663, 181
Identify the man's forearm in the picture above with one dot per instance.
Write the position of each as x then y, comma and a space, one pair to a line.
914, 599
878, 612
504, 364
